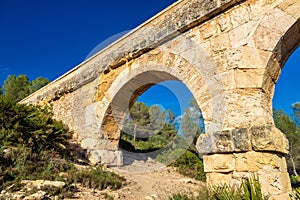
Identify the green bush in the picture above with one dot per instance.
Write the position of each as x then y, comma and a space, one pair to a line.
169, 156
295, 181
31, 127
96, 178
250, 189
35, 146
295, 194
29, 139
180, 196
189, 164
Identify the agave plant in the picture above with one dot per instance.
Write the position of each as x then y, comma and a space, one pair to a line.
296, 194
250, 189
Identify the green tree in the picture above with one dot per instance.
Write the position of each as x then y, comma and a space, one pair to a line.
194, 105
17, 88
144, 121
157, 119
137, 120
170, 116
147, 127
162, 130
192, 122
189, 124
284, 123
38, 83
296, 113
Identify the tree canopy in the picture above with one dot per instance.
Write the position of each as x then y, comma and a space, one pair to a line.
16, 88
288, 126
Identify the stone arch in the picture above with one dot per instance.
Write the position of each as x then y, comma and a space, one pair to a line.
288, 43
140, 75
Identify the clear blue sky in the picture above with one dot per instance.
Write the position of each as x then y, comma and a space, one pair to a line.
47, 38
287, 90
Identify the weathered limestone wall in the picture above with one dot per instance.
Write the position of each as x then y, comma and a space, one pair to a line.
74, 96
228, 53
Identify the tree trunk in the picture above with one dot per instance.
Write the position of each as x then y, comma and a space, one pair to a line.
134, 133
294, 166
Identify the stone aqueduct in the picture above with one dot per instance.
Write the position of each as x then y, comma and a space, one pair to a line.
229, 53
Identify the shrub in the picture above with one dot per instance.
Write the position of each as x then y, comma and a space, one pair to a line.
31, 127
96, 178
35, 146
189, 164
250, 189
295, 194
180, 196
186, 161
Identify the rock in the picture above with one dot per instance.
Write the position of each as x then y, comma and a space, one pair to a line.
36, 196
269, 138
148, 198
38, 184
187, 180
110, 158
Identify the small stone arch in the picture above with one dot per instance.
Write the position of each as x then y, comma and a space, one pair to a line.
141, 75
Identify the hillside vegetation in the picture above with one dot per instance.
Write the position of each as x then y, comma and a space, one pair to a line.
34, 146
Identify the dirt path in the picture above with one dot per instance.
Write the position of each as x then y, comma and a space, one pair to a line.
146, 186
146, 183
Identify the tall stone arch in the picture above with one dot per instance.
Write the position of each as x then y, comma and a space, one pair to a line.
128, 82
260, 44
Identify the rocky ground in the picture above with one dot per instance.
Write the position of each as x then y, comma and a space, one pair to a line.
146, 186
146, 179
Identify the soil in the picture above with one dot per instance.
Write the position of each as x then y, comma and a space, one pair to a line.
146, 179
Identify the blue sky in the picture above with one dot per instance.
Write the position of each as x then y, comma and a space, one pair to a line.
172, 95
48, 38
287, 89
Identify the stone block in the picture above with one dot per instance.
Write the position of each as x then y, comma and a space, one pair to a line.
276, 183
239, 15
268, 85
98, 143
242, 35
223, 141
241, 139
219, 163
254, 161
220, 43
224, 22
204, 144
278, 21
208, 29
268, 138
284, 196
291, 7
249, 78
218, 178
235, 140
109, 158
253, 58
265, 39
218, 142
